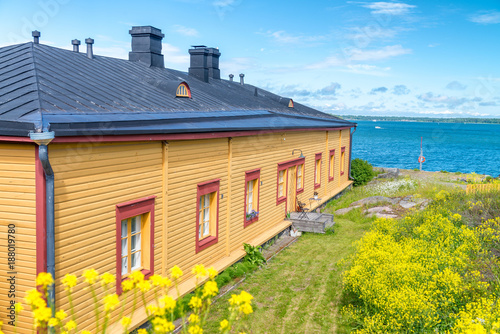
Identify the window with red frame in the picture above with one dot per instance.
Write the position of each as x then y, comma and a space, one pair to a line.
300, 178
317, 171
252, 188
207, 217
134, 238
342, 160
331, 169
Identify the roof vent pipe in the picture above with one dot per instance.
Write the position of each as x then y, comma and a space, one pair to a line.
89, 42
76, 44
242, 81
36, 36
231, 77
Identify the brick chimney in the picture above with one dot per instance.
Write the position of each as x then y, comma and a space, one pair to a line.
146, 46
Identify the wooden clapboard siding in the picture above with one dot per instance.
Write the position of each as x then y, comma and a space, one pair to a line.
189, 163
90, 180
18, 207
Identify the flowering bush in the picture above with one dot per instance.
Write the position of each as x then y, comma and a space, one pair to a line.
427, 273
391, 188
161, 313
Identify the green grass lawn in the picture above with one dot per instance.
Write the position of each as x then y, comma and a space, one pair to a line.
299, 290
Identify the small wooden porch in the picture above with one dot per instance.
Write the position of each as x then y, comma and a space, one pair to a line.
311, 221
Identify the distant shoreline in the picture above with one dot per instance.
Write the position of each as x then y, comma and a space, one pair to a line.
421, 119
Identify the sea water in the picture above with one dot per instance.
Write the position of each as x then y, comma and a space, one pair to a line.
450, 147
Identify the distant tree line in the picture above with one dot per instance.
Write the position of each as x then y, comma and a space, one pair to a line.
421, 119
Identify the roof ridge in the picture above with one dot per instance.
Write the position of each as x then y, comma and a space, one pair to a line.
39, 126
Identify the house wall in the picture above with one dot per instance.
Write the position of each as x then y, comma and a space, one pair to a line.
90, 179
17, 207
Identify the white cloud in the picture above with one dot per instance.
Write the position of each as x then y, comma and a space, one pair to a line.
455, 85
191, 32
433, 45
354, 55
486, 17
389, 8
174, 55
377, 54
224, 3
282, 37
433, 112
237, 65
367, 70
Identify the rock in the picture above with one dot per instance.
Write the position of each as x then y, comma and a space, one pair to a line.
379, 209
372, 200
381, 215
407, 204
424, 203
346, 210
389, 173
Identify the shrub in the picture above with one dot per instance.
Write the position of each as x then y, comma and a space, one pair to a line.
427, 273
361, 172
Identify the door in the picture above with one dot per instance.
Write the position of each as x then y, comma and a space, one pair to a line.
292, 189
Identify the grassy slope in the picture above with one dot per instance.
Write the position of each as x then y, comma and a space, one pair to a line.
298, 291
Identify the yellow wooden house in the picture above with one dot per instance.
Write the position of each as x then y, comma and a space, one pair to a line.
124, 165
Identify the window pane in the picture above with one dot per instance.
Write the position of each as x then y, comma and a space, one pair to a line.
136, 242
124, 228
136, 224
124, 247
199, 231
250, 186
281, 190
206, 229
249, 208
206, 214
136, 261
124, 265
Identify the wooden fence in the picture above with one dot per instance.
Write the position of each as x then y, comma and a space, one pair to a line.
482, 187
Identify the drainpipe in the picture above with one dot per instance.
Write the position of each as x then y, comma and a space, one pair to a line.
43, 139
350, 151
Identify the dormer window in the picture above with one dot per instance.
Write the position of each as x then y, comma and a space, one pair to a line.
183, 90
290, 103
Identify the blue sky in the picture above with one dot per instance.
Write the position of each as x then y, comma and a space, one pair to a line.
407, 58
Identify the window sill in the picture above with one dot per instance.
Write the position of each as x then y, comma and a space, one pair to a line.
280, 200
317, 185
147, 274
341, 173
250, 221
299, 191
331, 178
206, 242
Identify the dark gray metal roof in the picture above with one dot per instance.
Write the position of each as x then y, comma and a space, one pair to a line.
51, 89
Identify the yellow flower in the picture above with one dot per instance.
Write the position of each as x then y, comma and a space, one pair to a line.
69, 281
193, 318
210, 289
125, 322
195, 302
127, 285
199, 270
61, 315
53, 322
18, 307
167, 303
137, 276
456, 217
212, 272
107, 278
224, 324
176, 272
86, 332
44, 279
161, 325
166, 282
110, 302
42, 314
156, 280
90, 276
144, 286
70, 325
246, 308
32, 296
195, 330
142, 331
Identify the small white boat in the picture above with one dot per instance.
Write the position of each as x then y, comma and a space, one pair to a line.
378, 127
